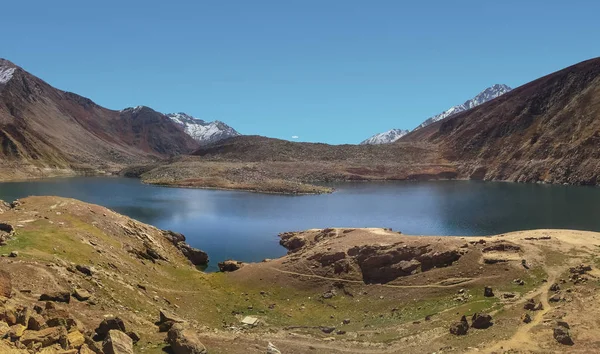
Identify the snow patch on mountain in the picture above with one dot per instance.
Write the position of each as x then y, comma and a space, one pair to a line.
486, 95
202, 131
386, 137
6, 73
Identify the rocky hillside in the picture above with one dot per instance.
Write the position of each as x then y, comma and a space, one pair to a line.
547, 130
203, 132
44, 129
386, 137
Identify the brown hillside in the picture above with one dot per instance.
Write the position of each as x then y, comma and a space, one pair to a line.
43, 127
546, 130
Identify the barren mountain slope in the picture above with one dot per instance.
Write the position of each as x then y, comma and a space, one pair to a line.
546, 130
45, 128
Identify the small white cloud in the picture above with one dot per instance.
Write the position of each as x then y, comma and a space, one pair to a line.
295, 137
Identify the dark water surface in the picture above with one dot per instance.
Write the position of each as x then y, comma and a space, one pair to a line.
244, 226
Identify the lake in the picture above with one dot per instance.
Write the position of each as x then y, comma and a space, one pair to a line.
244, 226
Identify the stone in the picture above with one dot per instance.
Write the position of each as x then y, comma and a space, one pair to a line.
526, 318
327, 330
14, 254
554, 287
46, 337
562, 335
36, 322
85, 349
555, 298
23, 314
81, 294
184, 341
10, 315
58, 296
230, 265
529, 305
538, 307
250, 321
328, 294
4, 329
16, 331
84, 269
134, 336
481, 321
108, 324
59, 317
165, 326
460, 328
487, 292
272, 349
167, 316
346, 321
75, 339
117, 342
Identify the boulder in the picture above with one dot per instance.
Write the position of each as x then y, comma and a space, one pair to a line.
166, 315
554, 287
58, 296
529, 305
481, 321
108, 324
460, 328
46, 337
36, 322
487, 292
526, 318
117, 342
562, 335
184, 341
81, 294
327, 329
555, 298
134, 336
75, 339
14, 254
230, 265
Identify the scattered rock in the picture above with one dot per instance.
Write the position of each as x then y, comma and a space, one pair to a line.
509, 295
117, 342
460, 328
487, 292
184, 341
328, 294
501, 247
481, 321
580, 269
58, 296
230, 265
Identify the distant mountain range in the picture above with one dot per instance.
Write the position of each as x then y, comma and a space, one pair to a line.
484, 96
386, 137
203, 132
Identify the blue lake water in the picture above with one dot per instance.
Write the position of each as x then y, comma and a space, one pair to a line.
244, 226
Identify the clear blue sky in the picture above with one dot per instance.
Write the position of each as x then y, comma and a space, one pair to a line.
334, 71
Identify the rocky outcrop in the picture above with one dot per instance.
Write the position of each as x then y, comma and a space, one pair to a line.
561, 333
197, 257
291, 241
230, 265
382, 264
184, 340
6, 231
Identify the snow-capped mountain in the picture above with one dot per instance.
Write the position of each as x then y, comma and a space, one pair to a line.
486, 95
203, 132
386, 137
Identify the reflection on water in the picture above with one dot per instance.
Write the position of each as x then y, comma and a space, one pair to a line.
244, 226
